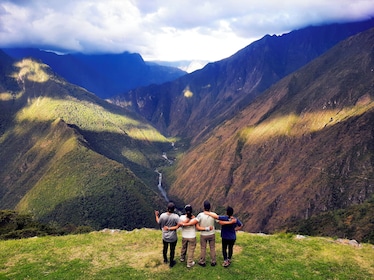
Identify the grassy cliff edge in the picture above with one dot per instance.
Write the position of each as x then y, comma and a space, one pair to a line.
137, 254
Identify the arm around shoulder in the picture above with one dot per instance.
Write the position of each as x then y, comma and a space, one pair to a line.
212, 214
229, 222
188, 222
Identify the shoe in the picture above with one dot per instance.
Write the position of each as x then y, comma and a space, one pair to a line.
190, 264
213, 264
226, 263
172, 263
165, 261
182, 259
202, 264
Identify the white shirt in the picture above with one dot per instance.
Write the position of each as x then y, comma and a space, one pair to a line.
187, 231
205, 221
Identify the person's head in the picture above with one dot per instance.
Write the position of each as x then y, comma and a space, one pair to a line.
229, 211
171, 207
188, 209
206, 205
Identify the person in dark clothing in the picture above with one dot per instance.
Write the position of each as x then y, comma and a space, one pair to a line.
229, 226
168, 223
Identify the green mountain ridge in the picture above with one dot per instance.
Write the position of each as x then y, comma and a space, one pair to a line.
55, 169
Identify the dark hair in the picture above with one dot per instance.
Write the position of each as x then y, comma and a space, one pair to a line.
188, 209
229, 211
206, 205
171, 207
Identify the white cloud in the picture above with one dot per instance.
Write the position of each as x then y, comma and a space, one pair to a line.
164, 29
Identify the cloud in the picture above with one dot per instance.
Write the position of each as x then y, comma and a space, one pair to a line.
164, 29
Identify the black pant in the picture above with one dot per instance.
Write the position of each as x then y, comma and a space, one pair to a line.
227, 248
172, 250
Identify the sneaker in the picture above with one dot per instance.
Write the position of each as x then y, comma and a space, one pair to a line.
190, 264
182, 259
213, 264
202, 264
172, 263
226, 263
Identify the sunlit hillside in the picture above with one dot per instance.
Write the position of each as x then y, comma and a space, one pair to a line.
281, 130
193, 105
303, 148
70, 157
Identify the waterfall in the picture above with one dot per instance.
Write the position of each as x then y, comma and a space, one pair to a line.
163, 192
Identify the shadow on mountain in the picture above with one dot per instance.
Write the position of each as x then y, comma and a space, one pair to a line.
116, 208
301, 148
222, 89
103, 74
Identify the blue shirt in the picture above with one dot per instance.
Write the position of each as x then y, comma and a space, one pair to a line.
228, 231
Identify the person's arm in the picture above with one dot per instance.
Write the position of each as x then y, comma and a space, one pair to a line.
239, 225
198, 227
212, 214
222, 223
231, 220
166, 228
157, 216
188, 222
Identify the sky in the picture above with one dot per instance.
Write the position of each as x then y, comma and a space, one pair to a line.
164, 30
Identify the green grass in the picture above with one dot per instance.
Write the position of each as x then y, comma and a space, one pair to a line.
138, 255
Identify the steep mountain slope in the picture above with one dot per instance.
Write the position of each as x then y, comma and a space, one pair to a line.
303, 147
105, 75
68, 156
194, 104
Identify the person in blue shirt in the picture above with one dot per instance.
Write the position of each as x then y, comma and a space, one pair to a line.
229, 226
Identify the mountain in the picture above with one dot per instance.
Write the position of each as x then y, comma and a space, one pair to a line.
301, 148
281, 131
194, 104
68, 156
185, 65
105, 75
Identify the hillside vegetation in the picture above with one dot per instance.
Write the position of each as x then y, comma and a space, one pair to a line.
195, 104
302, 148
69, 157
137, 254
290, 147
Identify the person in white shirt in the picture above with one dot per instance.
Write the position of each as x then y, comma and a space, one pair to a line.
207, 236
205, 224
188, 237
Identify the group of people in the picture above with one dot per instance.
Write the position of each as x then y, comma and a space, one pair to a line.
204, 222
